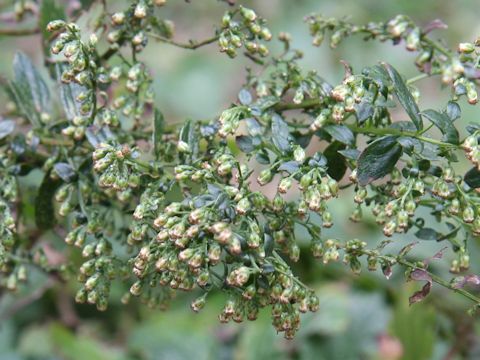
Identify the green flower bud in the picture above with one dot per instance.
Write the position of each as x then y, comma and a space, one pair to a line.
265, 177
248, 14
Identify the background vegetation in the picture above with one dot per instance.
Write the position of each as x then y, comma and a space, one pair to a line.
360, 317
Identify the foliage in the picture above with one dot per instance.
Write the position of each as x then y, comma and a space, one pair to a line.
187, 211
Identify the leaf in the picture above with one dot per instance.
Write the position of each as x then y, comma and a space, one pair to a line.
378, 159
158, 128
472, 178
350, 154
405, 97
65, 171
341, 133
44, 208
6, 128
49, 10
245, 97
289, 166
253, 127
420, 275
68, 95
364, 110
280, 133
453, 110
336, 164
262, 157
30, 91
444, 124
428, 234
245, 143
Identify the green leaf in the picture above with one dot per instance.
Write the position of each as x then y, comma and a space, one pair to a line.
65, 172
245, 143
428, 234
472, 178
289, 166
6, 128
453, 110
68, 95
341, 133
44, 209
405, 97
378, 159
280, 133
30, 91
158, 128
49, 10
245, 97
443, 122
336, 164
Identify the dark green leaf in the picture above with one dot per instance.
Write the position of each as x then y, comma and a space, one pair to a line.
253, 127
341, 133
378, 159
65, 172
245, 97
428, 234
289, 166
280, 133
364, 110
158, 128
44, 209
336, 164
6, 128
49, 10
405, 97
472, 178
30, 91
262, 157
453, 110
444, 124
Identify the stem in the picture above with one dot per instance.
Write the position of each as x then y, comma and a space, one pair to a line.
19, 32
191, 45
307, 104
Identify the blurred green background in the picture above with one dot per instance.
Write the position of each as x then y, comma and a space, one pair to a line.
365, 317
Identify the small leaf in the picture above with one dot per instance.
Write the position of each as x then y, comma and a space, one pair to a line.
420, 275
378, 159
289, 166
336, 165
245, 143
350, 154
428, 234
158, 128
280, 133
444, 124
453, 110
262, 157
6, 128
364, 111
405, 97
65, 172
245, 97
341, 133
44, 208
472, 178
253, 127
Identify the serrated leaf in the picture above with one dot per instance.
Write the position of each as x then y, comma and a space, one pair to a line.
336, 164
158, 128
444, 124
65, 172
6, 128
30, 91
472, 178
378, 159
44, 208
341, 133
405, 97
280, 133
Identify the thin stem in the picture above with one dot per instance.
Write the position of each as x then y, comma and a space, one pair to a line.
191, 45
307, 104
19, 32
